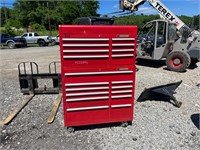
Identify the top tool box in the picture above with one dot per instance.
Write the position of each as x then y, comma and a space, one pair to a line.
98, 73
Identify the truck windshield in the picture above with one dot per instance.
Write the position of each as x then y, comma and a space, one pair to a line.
5, 36
36, 34
25, 35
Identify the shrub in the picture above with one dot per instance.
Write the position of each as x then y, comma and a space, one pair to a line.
38, 27
14, 23
9, 30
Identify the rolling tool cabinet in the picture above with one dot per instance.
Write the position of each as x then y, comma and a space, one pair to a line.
98, 73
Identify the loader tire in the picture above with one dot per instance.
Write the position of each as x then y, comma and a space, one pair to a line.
53, 43
178, 61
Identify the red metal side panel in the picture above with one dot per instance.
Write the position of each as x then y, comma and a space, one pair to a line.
98, 73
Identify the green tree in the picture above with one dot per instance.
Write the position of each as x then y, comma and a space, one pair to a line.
59, 12
5, 15
196, 22
142, 19
138, 20
186, 19
89, 8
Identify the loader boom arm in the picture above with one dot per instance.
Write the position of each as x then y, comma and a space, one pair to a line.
162, 10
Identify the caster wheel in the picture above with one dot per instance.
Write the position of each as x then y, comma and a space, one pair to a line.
179, 104
124, 124
70, 129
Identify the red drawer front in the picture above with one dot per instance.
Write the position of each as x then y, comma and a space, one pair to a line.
93, 96
83, 46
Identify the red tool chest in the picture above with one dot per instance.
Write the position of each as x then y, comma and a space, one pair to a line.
98, 73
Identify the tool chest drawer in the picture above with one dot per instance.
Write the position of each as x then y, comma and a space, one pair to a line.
98, 73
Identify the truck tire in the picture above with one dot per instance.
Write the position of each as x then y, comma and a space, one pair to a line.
178, 61
11, 45
53, 43
41, 43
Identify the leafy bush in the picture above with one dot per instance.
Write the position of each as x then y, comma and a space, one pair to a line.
12, 31
14, 23
38, 27
8, 30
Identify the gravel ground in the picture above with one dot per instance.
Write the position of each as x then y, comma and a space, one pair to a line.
156, 125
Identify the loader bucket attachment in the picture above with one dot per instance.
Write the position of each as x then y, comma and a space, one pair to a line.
162, 92
196, 120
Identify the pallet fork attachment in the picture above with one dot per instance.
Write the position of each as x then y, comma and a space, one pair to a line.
28, 79
18, 109
161, 92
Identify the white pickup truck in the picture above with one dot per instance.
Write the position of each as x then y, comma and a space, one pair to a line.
34, 38
55, 40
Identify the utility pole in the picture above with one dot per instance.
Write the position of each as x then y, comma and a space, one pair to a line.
5, 11
193, 22
49, 18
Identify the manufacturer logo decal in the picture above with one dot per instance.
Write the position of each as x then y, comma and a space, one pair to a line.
163, 11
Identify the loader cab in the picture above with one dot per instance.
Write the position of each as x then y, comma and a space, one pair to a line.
156, 36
